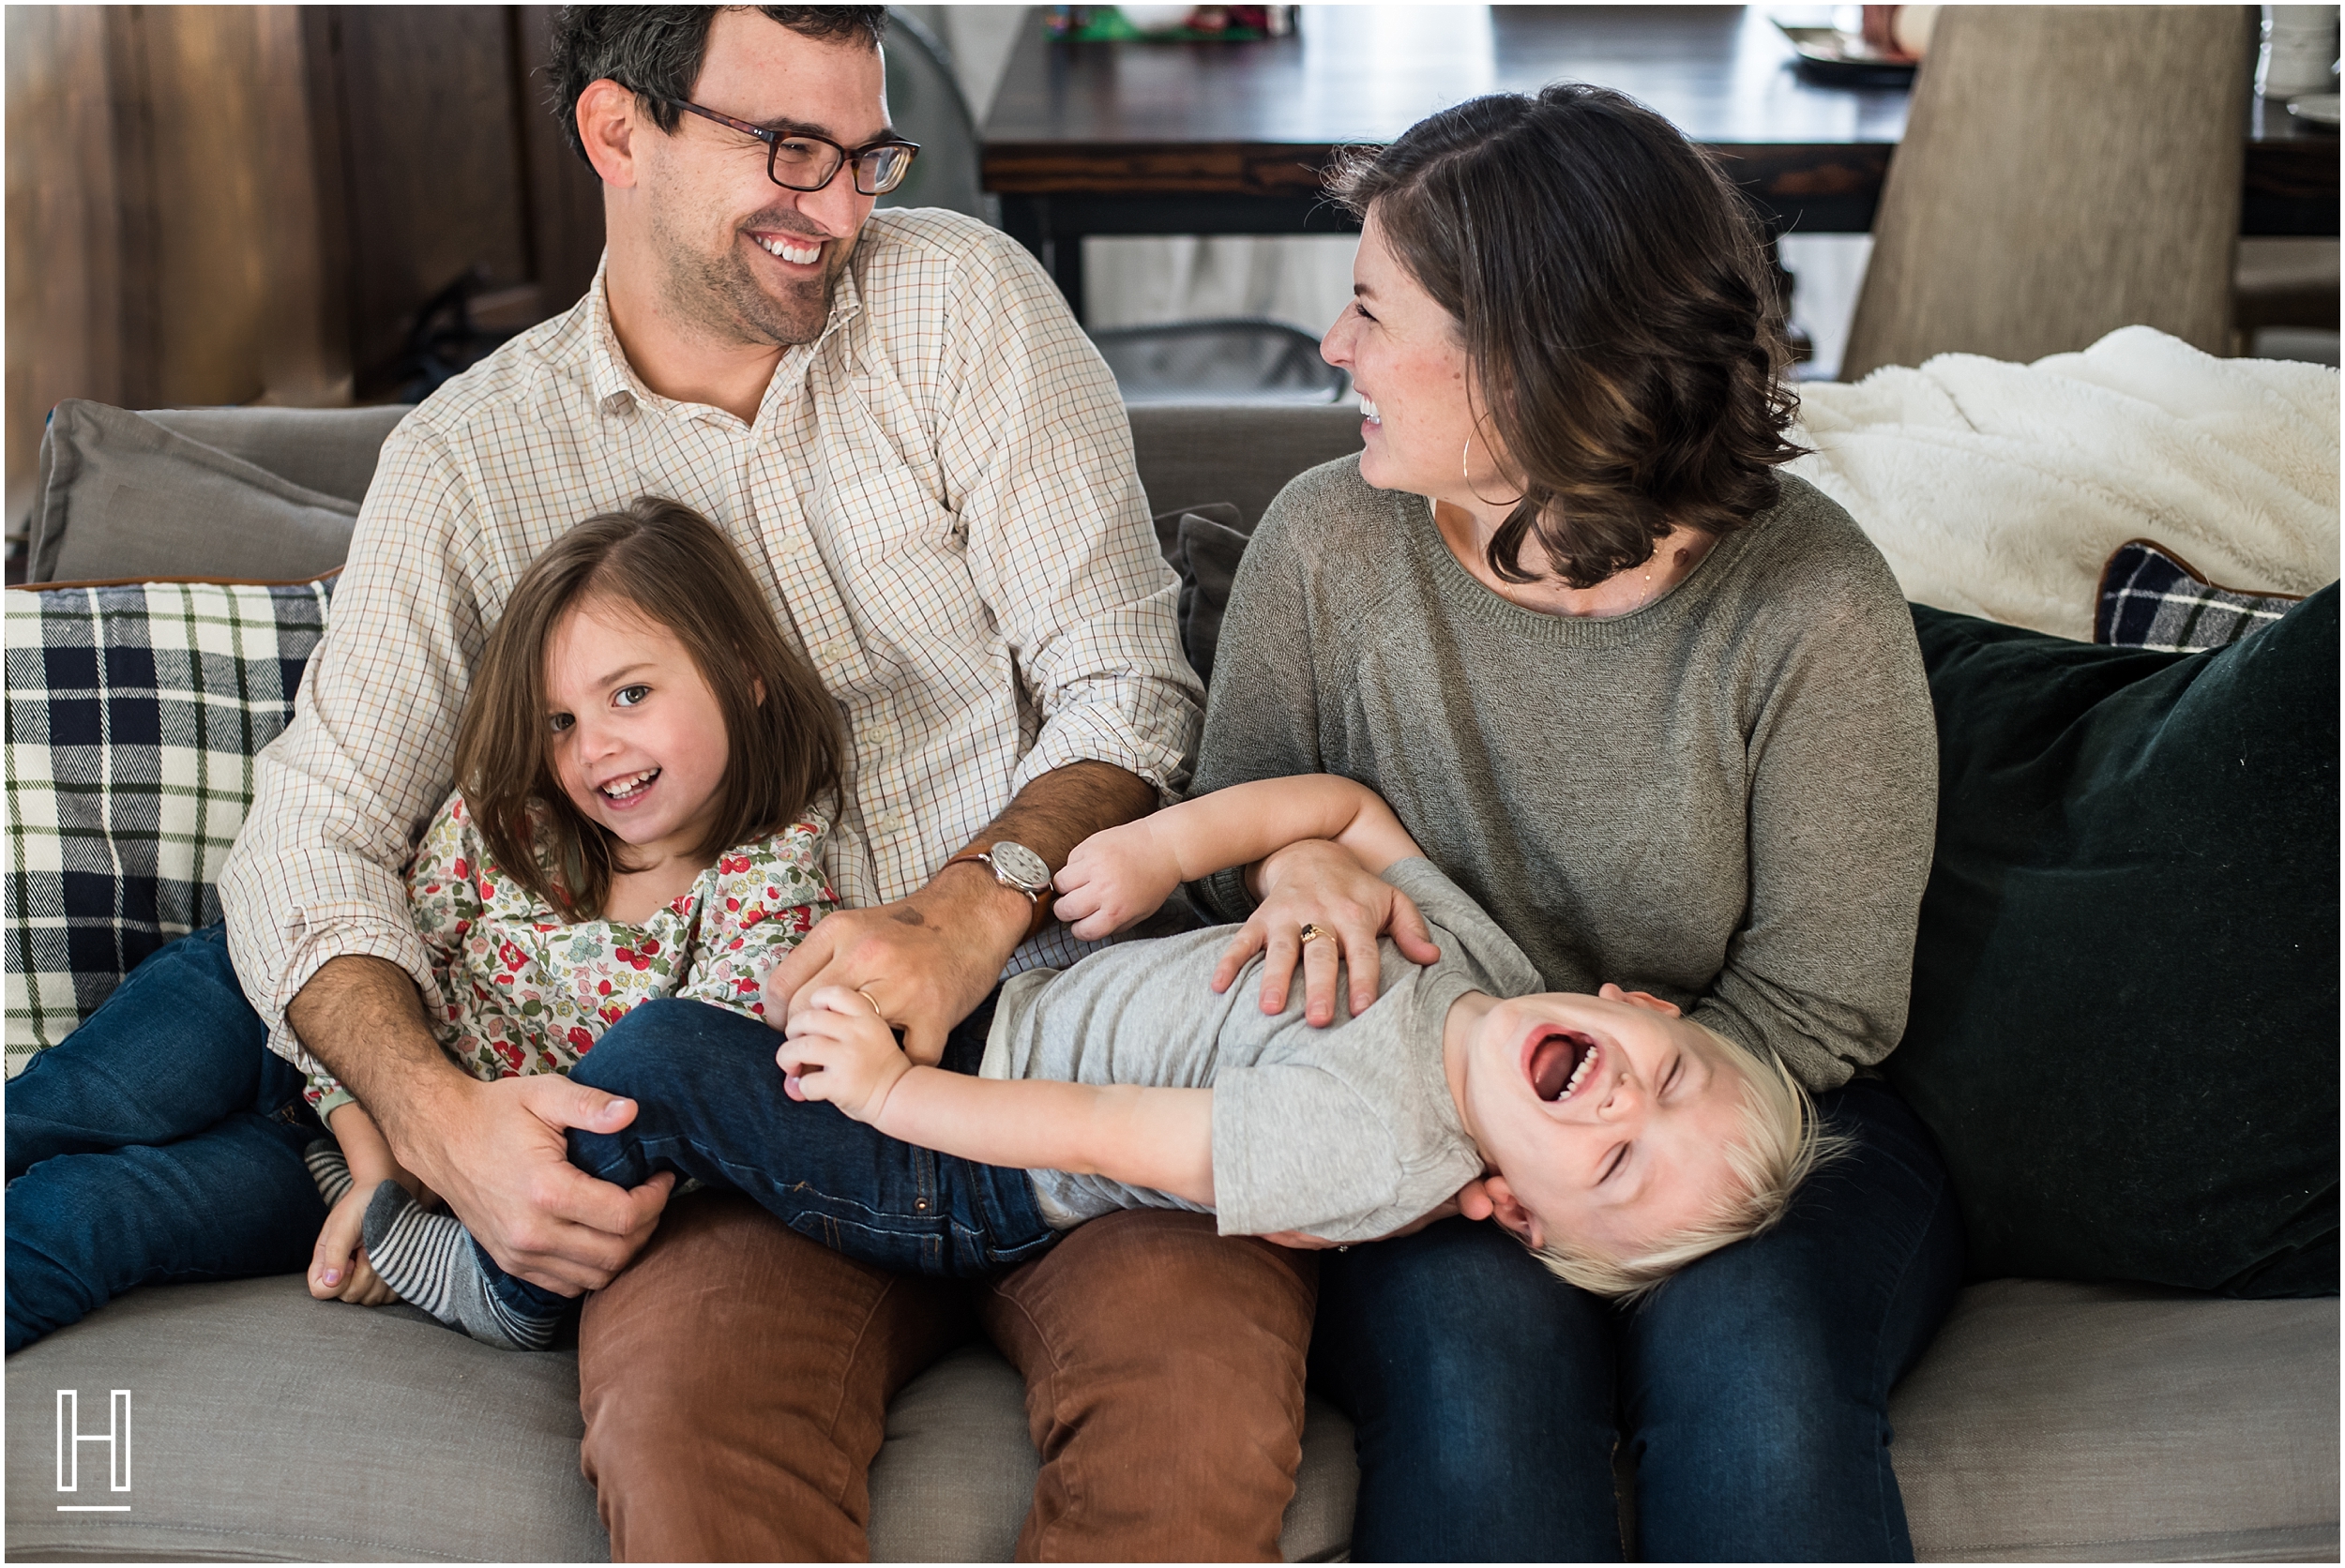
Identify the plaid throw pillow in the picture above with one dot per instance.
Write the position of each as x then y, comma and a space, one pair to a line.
2152, 598
134, 713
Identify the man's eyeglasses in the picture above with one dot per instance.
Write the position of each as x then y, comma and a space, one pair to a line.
801, 160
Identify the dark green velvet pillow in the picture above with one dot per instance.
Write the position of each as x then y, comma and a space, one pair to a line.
2124, 1020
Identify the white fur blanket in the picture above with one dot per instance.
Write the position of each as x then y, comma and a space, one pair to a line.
2001, 489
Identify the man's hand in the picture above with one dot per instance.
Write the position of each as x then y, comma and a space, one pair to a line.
503, 1166
924, 961
1116, 878
840, 1049
493, 1152
1473, 1201
1317, 882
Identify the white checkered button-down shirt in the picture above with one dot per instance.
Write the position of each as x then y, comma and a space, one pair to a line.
938, 490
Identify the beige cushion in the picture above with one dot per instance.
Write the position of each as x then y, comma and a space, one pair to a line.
265, 1424
2095, 1422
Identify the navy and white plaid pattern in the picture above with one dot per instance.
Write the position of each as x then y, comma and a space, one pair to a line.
2152, 598
133, 717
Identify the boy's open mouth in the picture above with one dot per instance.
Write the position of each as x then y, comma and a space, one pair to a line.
1559, 1064
618, 792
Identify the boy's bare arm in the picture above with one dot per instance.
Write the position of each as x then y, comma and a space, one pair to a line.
840, 1049
1125, 874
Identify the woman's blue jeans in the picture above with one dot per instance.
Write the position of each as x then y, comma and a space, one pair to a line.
1752, 1389
710, 1104
161, 1140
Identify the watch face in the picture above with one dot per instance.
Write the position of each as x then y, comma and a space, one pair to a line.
1020, 866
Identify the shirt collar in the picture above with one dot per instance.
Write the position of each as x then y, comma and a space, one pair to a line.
615, 384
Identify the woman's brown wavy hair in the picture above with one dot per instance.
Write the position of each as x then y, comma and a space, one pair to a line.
1619, 314
673, 567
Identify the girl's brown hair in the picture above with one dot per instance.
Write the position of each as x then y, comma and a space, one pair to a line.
670, 565
1620, 317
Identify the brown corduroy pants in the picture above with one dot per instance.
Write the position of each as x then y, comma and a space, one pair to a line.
735, 1379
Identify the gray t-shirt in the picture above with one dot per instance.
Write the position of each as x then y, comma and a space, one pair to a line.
1346, 1132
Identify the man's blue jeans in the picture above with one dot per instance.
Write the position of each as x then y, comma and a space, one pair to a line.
159, 1142
1752, 1390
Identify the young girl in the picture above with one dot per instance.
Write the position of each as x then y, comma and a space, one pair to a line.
637, 761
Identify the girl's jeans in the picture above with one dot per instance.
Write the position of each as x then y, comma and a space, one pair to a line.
709, 1103
161, 1140
1752, 1390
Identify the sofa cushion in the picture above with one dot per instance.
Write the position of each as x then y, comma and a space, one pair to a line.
120, 496
330, 450
1192, 453
270, 1425
1202, 545
2089, 1422
133, 717
2151, 598
2123, 1023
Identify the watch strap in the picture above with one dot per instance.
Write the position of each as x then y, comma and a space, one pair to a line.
1041, 900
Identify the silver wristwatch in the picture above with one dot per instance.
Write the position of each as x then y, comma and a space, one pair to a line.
1018, 869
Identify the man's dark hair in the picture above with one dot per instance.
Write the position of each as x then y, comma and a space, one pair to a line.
654, 51
1621, 322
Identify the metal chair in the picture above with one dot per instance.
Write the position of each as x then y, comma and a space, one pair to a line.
1242, 360
2064, 172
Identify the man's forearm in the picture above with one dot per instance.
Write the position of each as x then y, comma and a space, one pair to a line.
1159, 1139
1051, 815
362, 1018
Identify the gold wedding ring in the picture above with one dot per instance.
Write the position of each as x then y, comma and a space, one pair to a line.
865, 993
1312, 931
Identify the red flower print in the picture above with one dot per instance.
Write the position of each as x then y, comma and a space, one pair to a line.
625, 955
488, 890
508, 1054
733, 903
511, 956
640, 963
432, 887
751, 917
758, 1007
581, 1041
651, 945
745, 984
603, 990
460, 871
611, 1014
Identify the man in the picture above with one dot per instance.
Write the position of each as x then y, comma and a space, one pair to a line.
898, 420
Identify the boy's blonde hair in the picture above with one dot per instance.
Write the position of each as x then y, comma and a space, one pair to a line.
1781, 1146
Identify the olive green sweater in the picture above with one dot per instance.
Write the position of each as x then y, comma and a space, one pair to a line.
1725, 798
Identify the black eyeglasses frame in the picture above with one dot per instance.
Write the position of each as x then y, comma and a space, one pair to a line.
849, 157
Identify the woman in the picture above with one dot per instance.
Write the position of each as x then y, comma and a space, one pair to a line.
1660, 708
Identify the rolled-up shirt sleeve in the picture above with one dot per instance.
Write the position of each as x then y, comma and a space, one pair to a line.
1038, 458
316, 874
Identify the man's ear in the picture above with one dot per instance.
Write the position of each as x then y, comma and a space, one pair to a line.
1639, 999
608, 120
1508, 1210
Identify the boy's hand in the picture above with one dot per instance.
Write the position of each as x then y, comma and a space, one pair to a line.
1116, 878
840, 1049
339, 1270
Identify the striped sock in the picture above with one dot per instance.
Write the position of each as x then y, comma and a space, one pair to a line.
328, 1169
430, 1261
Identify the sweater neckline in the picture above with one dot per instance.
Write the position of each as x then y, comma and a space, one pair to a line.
1660, 616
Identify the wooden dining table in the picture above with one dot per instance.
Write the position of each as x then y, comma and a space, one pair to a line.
1218, 138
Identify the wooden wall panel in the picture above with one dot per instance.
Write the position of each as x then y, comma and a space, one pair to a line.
565, 195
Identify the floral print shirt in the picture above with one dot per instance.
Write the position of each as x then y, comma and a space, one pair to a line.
522, 991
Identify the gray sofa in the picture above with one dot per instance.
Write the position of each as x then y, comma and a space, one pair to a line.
2051, 1421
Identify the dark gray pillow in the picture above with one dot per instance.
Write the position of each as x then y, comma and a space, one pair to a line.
120, 496
1203, 545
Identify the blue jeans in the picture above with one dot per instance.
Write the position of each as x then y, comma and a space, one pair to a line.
710, 1104
1752, 1389
159, 1142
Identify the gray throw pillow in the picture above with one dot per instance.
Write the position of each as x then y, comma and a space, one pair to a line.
1203, 544
120, 496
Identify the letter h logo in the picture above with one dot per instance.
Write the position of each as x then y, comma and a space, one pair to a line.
116, 1437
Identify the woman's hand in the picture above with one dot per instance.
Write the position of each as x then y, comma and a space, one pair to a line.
1116, 878
1319, 882
339, 1270
840, 1049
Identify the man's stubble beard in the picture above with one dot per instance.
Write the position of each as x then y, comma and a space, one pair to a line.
722, 296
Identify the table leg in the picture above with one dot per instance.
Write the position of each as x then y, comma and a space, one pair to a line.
1030, 221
